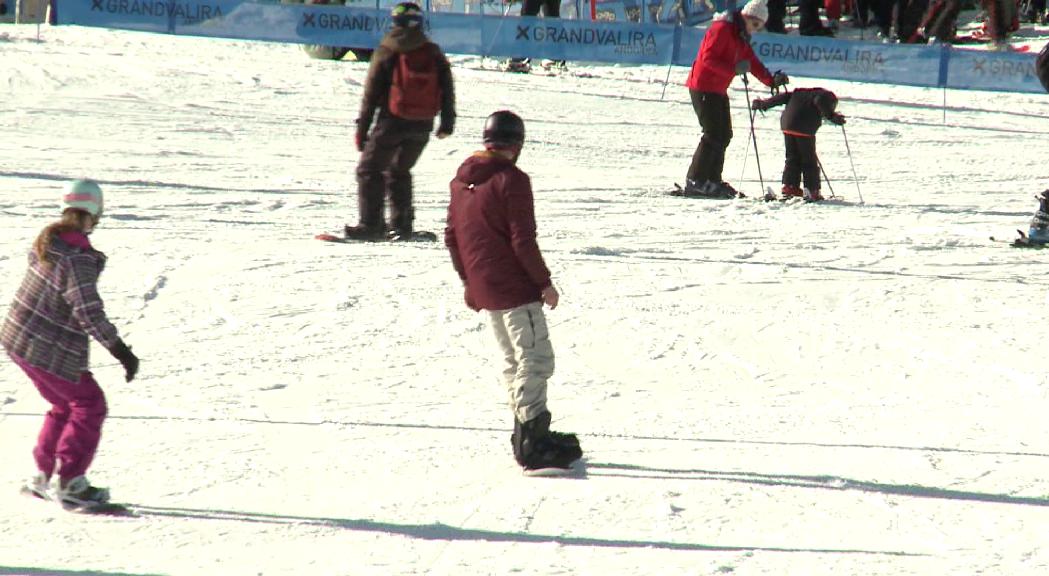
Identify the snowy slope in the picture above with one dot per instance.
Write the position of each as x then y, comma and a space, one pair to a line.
759, 388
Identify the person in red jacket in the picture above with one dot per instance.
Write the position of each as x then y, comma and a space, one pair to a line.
724, 52
491, 237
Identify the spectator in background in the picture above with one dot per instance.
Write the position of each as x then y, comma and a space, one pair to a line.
551, 9
810, 23
1034, 12
940, 22
833, 9
777, 12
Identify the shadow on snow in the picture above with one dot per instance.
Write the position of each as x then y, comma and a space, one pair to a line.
440, 531
805, 481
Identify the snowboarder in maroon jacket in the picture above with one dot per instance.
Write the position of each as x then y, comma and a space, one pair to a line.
492, 241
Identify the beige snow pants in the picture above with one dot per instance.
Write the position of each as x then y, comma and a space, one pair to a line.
528, 357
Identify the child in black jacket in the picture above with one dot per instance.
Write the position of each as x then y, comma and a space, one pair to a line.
806, 108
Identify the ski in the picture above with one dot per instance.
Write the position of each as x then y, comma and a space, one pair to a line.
1022, 242
575, 470
682, 193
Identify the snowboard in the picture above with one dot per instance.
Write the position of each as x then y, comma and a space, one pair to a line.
553, 472
417, 236
107, 509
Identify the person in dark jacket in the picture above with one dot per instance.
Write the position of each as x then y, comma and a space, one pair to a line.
551, 9
391, 147
801, 118
724, 52
491, 237
55, 312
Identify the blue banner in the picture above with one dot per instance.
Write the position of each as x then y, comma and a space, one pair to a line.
559, 39
980, 70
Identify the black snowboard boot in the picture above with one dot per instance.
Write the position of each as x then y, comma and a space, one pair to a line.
536, 447
364, 233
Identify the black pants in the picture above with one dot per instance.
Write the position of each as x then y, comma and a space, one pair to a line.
809, 23
716, 121
777, 11
801, 162
551, 8
941, 20
384, 170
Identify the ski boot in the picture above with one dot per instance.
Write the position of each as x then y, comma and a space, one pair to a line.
812, 196
519, 65
365, 233
708, 189
791, 191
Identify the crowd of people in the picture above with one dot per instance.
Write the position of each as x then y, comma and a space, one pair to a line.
909, 21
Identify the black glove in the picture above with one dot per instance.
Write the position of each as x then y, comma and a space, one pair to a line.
445, 130
361, 136
779, 79
129, 361
837, 119
759, 105
743, 66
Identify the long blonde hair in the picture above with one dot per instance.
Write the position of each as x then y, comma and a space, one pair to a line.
73, 220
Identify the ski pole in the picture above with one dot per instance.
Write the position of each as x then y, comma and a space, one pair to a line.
847, 150
757, 158
825, 177
665, 82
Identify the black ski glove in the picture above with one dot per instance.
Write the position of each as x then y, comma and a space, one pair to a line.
779, 79
759, 105
129, 361
837, 119
445, 129
361, 136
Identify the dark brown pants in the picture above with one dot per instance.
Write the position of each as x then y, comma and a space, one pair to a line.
384, 171
716, 121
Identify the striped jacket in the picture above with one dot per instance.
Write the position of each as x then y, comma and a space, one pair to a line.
57, 308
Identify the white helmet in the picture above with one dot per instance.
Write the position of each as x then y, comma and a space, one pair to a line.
85, 195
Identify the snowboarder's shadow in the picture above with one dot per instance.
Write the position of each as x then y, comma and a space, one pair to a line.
825, 482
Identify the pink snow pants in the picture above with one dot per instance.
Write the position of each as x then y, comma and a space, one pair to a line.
73, 426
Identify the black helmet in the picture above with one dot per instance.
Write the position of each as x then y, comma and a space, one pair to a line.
504, 129
407, 15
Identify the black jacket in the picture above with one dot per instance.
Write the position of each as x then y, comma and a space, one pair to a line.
805, 111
